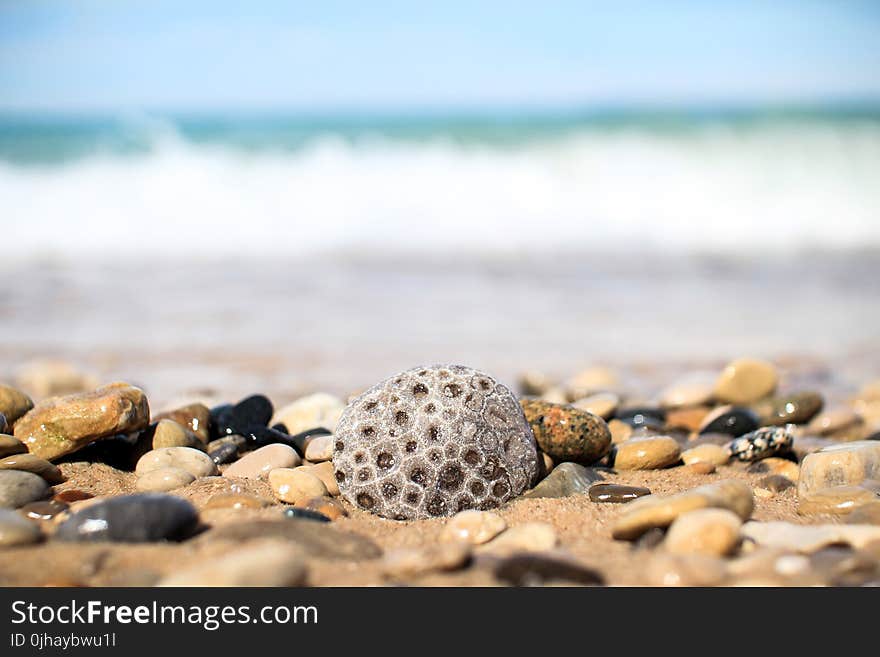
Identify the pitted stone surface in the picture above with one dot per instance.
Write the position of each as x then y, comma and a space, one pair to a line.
433, 441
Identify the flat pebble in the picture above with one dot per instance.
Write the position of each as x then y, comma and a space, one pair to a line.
43, 509
761, 443
713, 532
10, 445
808, 538
257, 464
270, 564
324, 505
695, 389
745, 381
731, 420
833, 420
292, 486
545, 569
17, 488
411, 562
649, 453
616, 493
528, 537
706, 453
566, 433
140, 518
565, 479
317, 410
660, 511
196, 462
474, 527
602, 404
164, 479
320, 448
235, 501
16, 530
30, 463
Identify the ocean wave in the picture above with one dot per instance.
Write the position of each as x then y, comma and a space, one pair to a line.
780, 188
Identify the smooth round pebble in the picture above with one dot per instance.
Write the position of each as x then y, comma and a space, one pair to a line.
706, 453
164, 479
272, 563
699, 468
316, 410
258, 464
602, 404
798, 408
474, 527
139, 518
712, 532
324, 505
567, 433
411, 562
731, 420
17, 530
325, 472
30, 463
320, 448
745, 381
196, 462
10, 445
295, 485
43, 510
692, 390
17, 488
169, 433
648, 453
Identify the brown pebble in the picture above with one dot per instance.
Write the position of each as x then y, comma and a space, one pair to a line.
699, 468
31, 463
235, 501
331, 508
10, 445
616, 493
43, 510
690, 419
72, 495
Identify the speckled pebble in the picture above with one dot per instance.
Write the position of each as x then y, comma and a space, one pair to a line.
759, 444
30, 463
16, 530
292, 486
196, 462
164, 479
648, 453
567, 433
257, 464
474, 527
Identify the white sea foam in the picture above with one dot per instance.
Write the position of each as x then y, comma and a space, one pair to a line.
716, 188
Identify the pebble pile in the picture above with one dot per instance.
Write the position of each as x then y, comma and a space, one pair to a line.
479, 485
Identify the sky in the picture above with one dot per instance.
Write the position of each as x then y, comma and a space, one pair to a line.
85, 55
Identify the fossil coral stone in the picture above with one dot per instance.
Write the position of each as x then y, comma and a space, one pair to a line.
433, 441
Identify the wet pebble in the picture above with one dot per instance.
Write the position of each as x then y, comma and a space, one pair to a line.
139, 518
566, 433
616, 493
761, 443
745, 381
713, 532
798, 408
164, 479
10, 445
294, 485
706, 453
731, 420
18, 488
235, 501
43, 510
30, 463
224, 450
272, 563
565, 479
193, 461
241, 418
660, 511
16, 530
620, 431
474, 527
257, 464
648, 453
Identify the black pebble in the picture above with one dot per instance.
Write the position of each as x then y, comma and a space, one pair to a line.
642, 416
306, 514
142, 518
3, 426
223, 453
265, 436
735, 422
221, 418
246, 417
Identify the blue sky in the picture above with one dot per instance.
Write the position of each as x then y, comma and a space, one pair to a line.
100, 54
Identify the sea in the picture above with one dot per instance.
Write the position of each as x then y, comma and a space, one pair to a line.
293, 252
